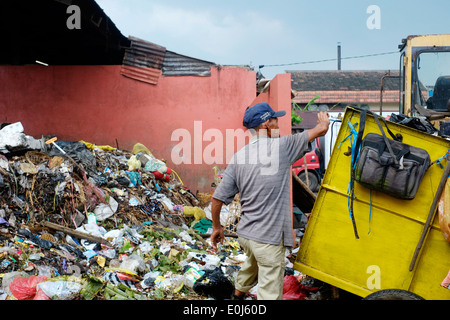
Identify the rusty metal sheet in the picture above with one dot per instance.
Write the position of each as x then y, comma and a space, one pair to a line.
179, 65
143, 61
148, 75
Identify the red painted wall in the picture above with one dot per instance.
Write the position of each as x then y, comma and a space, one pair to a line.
279, 98
98, 105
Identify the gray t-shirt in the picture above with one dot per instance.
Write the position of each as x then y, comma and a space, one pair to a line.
261, 173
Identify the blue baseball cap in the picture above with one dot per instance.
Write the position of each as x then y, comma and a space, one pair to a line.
260, 113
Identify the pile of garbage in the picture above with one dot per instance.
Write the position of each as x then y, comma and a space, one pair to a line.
88, 222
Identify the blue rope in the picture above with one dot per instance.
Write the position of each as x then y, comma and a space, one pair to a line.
355, 153
439, 161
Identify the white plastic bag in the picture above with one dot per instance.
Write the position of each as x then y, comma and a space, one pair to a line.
60, 289
103, 211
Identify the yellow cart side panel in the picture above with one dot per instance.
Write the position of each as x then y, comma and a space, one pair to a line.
380, 259
433, 267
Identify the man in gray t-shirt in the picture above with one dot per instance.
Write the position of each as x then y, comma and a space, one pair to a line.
261, 173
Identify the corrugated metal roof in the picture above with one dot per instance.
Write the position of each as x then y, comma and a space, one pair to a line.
149, 75
143, 61
179, 65
146, 61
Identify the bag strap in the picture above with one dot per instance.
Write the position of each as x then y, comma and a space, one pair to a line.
355, 155
389, 130
362, 125
388, 145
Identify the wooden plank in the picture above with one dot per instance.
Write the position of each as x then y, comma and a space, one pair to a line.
302, 196
76, 233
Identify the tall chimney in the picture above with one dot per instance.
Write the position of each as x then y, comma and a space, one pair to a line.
339, 56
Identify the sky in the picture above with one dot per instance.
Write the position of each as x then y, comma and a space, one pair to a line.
281, 32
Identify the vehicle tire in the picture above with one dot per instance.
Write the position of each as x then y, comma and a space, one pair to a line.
393, 294
313, 180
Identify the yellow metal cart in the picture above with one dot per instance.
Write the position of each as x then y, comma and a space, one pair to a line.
389, 228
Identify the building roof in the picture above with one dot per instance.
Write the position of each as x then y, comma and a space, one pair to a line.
146, 61
38, 30
340, 80
33, 31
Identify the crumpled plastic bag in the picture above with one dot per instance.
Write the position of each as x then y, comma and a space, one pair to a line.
195, 212
203, 225
92, 146
78, 152
133, 163
133, 263
140, 148
24, 288
294, 290
214, 283
105, 210
61, 288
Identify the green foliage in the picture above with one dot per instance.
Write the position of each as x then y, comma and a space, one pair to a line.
296, 119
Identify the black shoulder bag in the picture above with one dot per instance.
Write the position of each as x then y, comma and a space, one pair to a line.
387, 165
390, 166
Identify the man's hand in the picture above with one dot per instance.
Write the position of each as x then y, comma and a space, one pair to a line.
323, 122
217, 236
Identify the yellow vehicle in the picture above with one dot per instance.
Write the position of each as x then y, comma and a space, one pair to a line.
425, 76
401, 252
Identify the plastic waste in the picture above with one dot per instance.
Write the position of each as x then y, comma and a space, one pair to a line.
133, 263
140, 148
294, 290
135, 179
191, 276
77, 151
61, 288
132, 234
92, 146
195, 212
215, 284
170, 282
105, 210
24, 288
43, 243
3, 295
145, 247
133, 163
224, 214
203, 226
186, 237
12, 139
210, 261
40, 295
117, 278
149, 279
114, 236
9, 250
